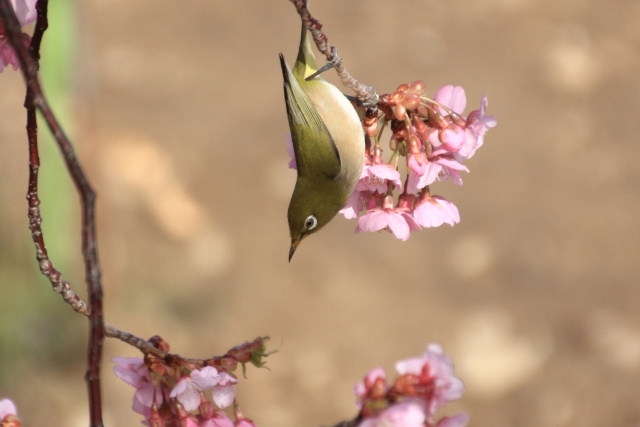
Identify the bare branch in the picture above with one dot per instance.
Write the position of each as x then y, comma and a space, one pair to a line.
28, 59
366, 94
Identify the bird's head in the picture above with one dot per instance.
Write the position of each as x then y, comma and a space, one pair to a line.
311, 208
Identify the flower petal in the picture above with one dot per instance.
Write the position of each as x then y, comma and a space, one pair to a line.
453, 97
223, 395
398, 225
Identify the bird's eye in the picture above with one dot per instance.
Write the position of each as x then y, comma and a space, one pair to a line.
310, 223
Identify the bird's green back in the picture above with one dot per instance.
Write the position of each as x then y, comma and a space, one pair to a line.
315, 152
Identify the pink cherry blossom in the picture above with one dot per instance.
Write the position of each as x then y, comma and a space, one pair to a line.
354, 204
224, 392
433, 211
435, 371
131, 370
417, 162
403, 414
451, 168
8, 55
134, 372
380, 219
425, 384
452, 97
7, 407
430, 174
478, 123
437, 168
397, 221
187, 390
448, 140
26, 12
375, 178
376, 378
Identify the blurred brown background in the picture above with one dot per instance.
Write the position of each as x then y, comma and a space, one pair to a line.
176, 109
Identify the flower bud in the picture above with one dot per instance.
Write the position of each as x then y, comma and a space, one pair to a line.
229, 364
155, 419
436, 119
421, 128
396, 97
413, 144
393, 143
428, 148
473, 117
399, 111
403, 88
159, 343
399, 129
206, 408
371, 125
10, 421
252, 351
378, 389
373, 130
155, 365
406, 385
182, 413
417, 86
411, 101
402, 149
455, 118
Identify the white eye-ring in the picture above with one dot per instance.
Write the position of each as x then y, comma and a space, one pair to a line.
310, 223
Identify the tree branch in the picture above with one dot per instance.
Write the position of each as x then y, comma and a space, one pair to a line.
35, 99
366, 94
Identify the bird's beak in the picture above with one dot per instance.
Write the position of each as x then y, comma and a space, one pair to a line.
295, 242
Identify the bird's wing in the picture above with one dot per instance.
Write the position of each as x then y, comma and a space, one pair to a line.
315, 151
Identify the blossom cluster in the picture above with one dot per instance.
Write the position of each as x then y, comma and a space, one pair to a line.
425, 385
26, 12
8, 414
175, 393
434, 139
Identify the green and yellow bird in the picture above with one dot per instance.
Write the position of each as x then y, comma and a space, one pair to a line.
328, 143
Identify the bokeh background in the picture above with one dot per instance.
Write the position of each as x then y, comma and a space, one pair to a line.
177, 112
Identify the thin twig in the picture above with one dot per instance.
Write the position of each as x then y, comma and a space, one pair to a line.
35, 220
366, 94
28, 59
141, 344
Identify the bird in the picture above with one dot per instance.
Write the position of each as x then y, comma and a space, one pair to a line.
328, 144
